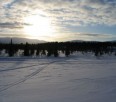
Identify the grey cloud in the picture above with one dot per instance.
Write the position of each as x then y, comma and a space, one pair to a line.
101, 2
16, 25
11, 35
86, 36
92, 36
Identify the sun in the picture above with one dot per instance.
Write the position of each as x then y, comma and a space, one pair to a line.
38, 26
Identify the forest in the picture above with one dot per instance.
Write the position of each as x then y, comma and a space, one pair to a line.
56, 48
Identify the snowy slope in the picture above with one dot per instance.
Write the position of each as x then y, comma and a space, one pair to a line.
71, 79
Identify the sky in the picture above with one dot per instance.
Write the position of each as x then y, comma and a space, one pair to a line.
59, 20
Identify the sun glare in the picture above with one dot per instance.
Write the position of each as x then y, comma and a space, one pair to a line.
38, 26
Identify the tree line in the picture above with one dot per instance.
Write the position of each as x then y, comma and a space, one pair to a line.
56, 48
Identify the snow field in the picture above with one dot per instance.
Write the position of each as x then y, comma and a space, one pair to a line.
72, 79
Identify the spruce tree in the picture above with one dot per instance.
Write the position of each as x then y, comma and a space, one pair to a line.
26, 50
11, 52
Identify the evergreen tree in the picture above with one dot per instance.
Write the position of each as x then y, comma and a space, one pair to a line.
11, 52
26, 50
56, 54
67, 52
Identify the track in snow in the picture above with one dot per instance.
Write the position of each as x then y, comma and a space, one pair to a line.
4, 70
25, 77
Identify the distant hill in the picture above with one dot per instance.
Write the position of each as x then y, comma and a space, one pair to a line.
77, 41
20, 40
81, 41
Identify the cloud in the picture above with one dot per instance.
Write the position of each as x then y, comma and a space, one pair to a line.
89, 37
11, 35
11, 25
15, 25
72, 12
63, 13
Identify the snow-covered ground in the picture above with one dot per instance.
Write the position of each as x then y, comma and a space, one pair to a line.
72, 79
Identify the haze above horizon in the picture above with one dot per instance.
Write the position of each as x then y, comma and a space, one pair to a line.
59, 20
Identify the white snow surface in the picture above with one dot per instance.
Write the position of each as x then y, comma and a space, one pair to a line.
72, 79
